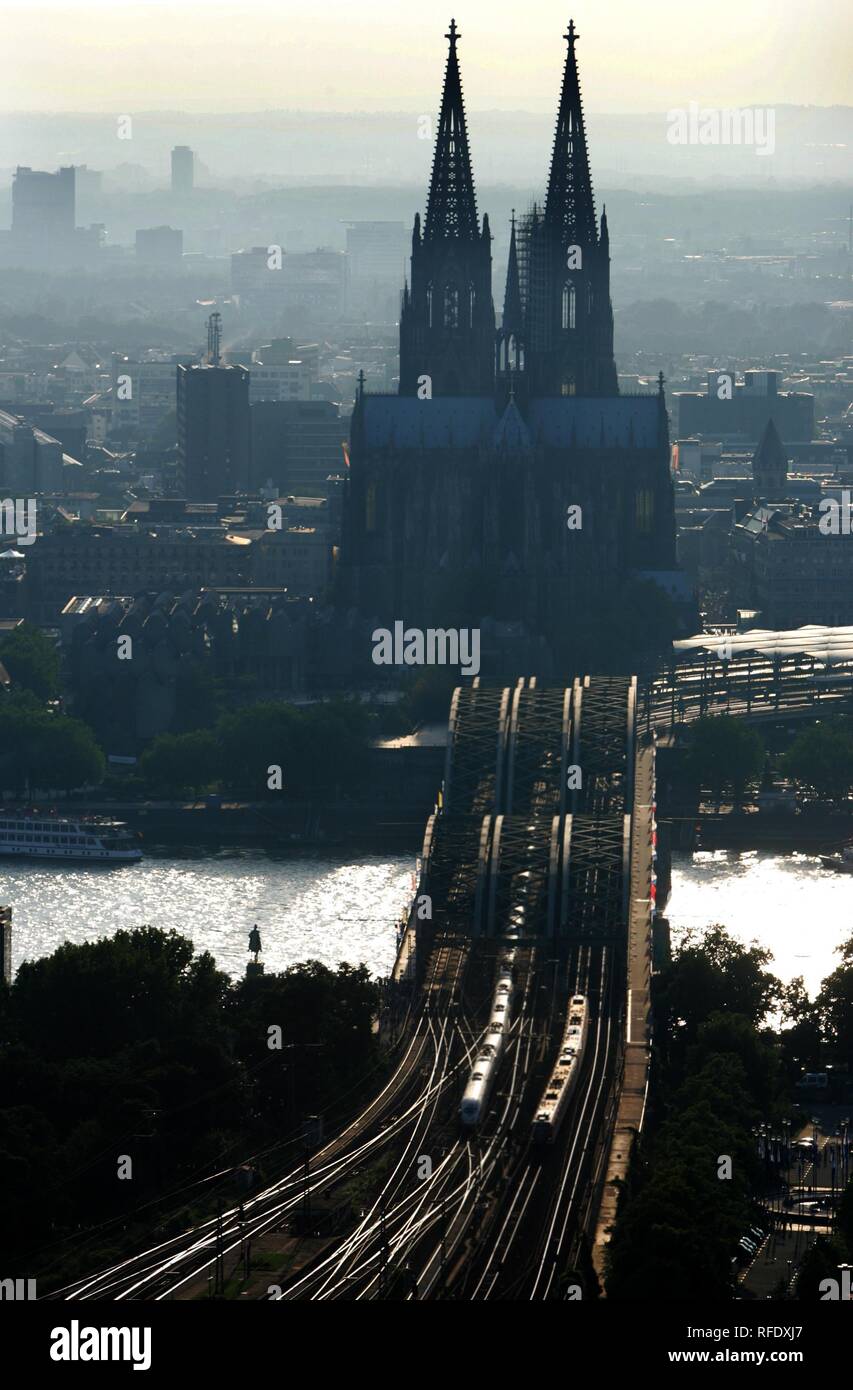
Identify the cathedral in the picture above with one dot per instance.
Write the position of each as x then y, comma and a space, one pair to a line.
508, 482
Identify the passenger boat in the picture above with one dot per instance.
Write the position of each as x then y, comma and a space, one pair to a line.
842, 863
49, 835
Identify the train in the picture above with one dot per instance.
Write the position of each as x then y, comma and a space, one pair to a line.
485, 1068
564, 1077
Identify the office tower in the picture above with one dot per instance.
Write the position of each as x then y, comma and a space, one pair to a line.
214, 434
159, 246
183, 170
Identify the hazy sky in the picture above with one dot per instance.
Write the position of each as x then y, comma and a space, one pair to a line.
380, 55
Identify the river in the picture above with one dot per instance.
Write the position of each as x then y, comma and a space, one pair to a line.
321, 907
307, 907
785, 902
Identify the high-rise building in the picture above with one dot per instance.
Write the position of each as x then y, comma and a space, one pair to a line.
43, 205
183, 170
508, 479
296, 446
214, 443
159, 246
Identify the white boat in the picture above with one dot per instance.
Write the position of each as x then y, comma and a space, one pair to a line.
92, 839
842, 863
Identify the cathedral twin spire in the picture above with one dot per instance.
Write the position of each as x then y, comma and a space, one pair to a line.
452, 202
569, 202
561, 334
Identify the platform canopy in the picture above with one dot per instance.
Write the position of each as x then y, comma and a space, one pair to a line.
825, 643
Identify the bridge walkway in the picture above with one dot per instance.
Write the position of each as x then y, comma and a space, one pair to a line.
637, 1049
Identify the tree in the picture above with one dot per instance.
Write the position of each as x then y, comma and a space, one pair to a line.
802, 1043
68, 756
181, 762
835, 1007
428, 700
318, 748
725, 752
716, 975
31, 659
40, 748
821, 758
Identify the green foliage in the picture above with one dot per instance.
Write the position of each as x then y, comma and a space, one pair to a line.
679, 1220
326, 1034
725, 753
41, 748
713, 976
801, 1044
31, 659
319, 748
821, 758
137, 1045
428, 701
177, 763
835, 1009
676, 1238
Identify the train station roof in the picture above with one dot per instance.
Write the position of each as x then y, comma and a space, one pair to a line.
826, 643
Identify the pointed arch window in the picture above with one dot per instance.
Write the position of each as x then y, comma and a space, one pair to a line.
512, 353
568, 387
451, 306
570, 299
429, 306
370, 508
472, 298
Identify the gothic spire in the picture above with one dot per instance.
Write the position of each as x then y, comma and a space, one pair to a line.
512, 315
452, 204
569, 204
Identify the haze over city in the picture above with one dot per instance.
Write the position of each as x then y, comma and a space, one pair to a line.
426, 672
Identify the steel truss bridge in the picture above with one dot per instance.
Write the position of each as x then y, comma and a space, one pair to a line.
533, 833
538, 833
754, 685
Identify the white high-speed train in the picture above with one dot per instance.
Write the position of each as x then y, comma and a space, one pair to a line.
564, 1077
484, 1071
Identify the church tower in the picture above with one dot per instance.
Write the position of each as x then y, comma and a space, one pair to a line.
447, 320
770, 466
565, 266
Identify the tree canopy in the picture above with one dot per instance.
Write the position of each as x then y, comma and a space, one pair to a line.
725, 753
821, 758
31, 659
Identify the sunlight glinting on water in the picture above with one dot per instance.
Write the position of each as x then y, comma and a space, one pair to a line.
787, 903
306, 908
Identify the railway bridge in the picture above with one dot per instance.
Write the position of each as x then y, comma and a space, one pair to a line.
533, 830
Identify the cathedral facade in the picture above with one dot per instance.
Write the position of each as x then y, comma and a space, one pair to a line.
508, 480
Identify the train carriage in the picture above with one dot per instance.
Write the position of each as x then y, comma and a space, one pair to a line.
564, 1077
